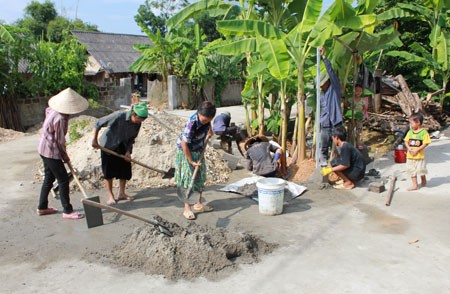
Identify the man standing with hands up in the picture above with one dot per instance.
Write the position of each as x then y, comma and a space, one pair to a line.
331, 112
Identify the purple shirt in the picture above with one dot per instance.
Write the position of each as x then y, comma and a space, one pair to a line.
52, 143
221, 123
194, 134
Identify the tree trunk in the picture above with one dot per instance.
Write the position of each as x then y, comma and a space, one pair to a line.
9, 114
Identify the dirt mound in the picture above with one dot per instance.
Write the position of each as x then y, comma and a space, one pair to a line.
194, 251
8, 134
155, 146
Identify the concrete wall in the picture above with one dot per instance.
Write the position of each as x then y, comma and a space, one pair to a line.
111, 96
178, 95
32, 110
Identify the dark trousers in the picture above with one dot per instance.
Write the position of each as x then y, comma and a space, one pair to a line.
55, 169
325, 143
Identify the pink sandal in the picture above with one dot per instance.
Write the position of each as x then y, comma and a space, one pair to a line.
73, 215
49, 210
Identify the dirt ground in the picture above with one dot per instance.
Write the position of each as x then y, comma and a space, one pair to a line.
327, 241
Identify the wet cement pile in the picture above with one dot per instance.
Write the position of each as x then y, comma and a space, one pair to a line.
194, 251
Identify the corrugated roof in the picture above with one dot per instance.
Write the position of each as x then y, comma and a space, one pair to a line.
114, 52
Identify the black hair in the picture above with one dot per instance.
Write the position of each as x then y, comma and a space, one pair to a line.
207, 108
417, 117
359, 85
340, 132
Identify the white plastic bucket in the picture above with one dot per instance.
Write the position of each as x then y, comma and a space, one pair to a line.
270, 195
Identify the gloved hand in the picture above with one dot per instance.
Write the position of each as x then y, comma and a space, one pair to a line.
326, 170
276, 157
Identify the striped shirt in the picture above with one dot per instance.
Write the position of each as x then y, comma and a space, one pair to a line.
52, 143
194, 134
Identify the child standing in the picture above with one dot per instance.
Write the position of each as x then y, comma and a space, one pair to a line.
416, 140
190, 145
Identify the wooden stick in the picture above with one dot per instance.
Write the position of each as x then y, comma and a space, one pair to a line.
390, 190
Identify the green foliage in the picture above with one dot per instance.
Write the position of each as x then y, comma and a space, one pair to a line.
148, 19
5, 35
37, 17
59, 28
77, 128
43, 22
12, 54
56, 66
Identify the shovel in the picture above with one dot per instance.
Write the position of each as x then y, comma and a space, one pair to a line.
185, 194
94, 217
166, 174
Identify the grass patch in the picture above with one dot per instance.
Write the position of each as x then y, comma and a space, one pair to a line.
76, 129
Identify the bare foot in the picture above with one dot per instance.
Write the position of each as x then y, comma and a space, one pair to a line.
111, 200
412, 188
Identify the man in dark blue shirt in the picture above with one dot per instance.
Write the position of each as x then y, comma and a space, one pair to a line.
227, 133
331, 112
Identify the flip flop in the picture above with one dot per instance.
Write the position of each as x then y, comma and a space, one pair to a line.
49, 210
73, 215
131, 198
204, 208
189, 215
342, 187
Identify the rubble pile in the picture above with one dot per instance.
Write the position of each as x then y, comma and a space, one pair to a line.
8, 134
155, 146
400, 104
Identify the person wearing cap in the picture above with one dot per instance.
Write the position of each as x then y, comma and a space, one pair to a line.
122, 130
259, 157
52, 149
221, 127
331, 112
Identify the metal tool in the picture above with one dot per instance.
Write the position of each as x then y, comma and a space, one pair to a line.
94, 216
166, 174
163, 229
185, 194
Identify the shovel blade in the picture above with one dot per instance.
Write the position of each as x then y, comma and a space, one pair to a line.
169, 174
188, 198
94, 216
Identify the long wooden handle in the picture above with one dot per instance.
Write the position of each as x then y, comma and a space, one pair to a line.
76, 179
132, 160
194, 175
99, 205
163, 228
390, 191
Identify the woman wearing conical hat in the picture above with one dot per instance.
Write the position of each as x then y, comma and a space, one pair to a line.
52, 149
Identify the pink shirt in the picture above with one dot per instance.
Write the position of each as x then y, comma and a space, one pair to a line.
53, 138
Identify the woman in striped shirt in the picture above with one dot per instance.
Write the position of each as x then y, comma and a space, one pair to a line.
52, 149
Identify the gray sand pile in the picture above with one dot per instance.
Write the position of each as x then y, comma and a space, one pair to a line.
155, 146
194, 251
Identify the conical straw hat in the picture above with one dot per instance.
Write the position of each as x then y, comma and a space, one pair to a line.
68, 102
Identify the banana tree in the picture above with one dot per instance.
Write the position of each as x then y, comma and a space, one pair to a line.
156, 57
435, 13
5, 35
